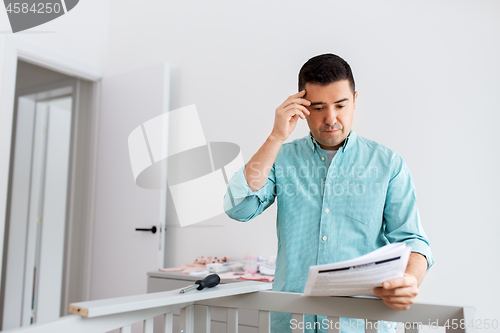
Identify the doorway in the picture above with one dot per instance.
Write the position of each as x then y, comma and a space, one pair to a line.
46, 255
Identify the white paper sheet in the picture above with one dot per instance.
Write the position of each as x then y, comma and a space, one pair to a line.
360, 275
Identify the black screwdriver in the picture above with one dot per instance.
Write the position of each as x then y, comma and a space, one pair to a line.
208, 282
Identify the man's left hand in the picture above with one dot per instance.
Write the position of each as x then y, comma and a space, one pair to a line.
398, 293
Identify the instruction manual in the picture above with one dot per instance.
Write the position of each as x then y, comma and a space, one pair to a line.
360, 275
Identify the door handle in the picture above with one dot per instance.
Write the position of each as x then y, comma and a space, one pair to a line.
152, 229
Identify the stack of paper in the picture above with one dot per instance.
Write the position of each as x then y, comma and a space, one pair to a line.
360, 275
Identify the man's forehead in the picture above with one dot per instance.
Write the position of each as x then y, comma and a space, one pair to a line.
316, 99
335, 92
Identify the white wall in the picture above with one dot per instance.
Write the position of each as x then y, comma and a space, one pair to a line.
80, 34
428, 78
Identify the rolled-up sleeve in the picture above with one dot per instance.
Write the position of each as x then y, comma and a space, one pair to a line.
401, 218
243, 204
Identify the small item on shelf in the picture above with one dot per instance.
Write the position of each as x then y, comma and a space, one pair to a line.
250, 263
256, 277
268, 267
202, 260
217, 268
246, 276
198, 266
235, 266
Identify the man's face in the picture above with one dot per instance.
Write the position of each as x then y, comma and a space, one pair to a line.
332, 109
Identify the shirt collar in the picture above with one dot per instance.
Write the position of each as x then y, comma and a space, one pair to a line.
348, 142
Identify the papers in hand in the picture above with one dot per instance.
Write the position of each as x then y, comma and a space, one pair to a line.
360, 275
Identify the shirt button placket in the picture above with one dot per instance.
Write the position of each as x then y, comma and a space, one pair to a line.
324, 223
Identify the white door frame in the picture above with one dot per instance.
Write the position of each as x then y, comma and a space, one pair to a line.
15, 50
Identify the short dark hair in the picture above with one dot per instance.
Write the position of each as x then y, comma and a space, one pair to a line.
325, 69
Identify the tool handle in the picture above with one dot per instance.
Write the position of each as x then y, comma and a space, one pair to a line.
208, 282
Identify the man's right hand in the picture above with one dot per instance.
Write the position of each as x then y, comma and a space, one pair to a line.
287, 115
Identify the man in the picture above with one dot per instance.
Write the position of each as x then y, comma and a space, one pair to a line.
339, 195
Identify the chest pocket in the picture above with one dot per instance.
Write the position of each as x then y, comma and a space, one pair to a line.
365, 201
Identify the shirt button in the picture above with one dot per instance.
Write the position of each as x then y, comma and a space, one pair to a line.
327, 210
322, 158
324, 238
313, 148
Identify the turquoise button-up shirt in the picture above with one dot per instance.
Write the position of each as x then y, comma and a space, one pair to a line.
363, 200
